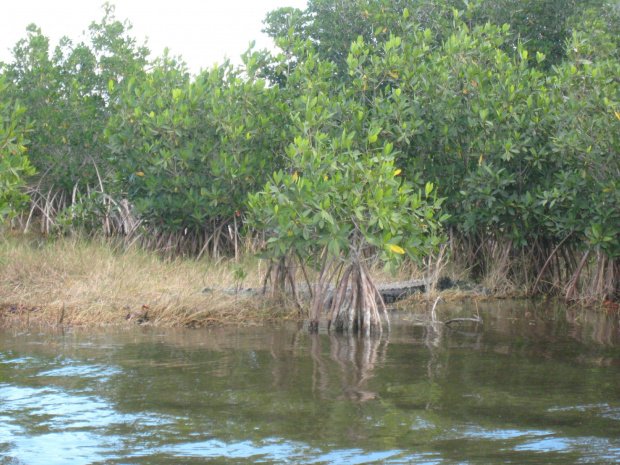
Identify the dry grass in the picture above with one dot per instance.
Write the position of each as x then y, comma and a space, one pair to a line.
91, 282
78, 281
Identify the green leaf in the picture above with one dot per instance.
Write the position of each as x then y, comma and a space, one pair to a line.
428, 188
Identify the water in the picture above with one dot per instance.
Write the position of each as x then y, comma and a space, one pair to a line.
531, 385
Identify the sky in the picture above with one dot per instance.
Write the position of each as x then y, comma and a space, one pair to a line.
202, 31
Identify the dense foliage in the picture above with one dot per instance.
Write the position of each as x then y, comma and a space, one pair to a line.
188, 152
523, 143
14, 165
343, 147
68, 96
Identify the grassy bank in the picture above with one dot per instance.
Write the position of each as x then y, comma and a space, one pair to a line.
93, 282
80, 281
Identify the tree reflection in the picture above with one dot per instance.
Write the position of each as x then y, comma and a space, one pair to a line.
356, 358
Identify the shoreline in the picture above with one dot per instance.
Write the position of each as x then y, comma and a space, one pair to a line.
92, 282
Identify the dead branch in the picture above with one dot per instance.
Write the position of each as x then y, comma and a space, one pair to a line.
459, 320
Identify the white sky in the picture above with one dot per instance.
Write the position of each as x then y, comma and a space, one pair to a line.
203, 32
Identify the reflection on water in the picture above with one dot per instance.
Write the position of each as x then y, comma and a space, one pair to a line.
533, 385
356, 358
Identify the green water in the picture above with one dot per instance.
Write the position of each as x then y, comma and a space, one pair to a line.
530, 385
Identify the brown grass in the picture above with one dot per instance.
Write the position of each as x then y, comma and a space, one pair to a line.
80, 281
92, 282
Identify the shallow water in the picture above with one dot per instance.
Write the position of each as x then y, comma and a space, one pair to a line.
532, 385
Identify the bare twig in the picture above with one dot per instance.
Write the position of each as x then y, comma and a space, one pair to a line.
535, 288
459, 320
433, 314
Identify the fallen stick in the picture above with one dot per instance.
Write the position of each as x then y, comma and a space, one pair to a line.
458, 320
453, 320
